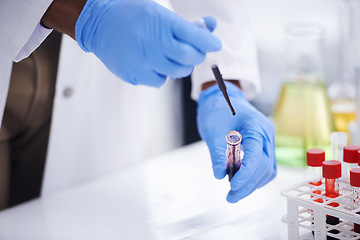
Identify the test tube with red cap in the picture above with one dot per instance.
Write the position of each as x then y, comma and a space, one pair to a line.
332, 173
355, 183
314, 159
350, 160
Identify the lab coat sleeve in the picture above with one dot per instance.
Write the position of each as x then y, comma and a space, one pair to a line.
238, 58
20, 29
20, 34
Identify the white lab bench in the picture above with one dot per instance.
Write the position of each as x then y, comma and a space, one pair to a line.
172, 196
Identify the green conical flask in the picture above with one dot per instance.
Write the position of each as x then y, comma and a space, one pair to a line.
302, 115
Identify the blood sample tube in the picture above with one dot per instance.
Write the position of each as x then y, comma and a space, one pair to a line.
332, 173
314, 159
355, 183
233, 153
350, 160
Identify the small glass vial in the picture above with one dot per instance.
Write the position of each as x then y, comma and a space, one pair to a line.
350, 160
338, 142
234, 153
314, 159
355, 183
332, 173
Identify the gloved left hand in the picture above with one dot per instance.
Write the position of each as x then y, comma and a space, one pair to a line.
215, 120
142, 42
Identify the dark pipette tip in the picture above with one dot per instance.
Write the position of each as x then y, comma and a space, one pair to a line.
228, 101
222, 86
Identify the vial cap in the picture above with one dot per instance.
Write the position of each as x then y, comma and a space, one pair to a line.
338, 138
331, 169
315, 157
351, 153
355, 177
358, 157
233, 138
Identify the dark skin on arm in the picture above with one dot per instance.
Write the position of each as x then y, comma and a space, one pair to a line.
62, 16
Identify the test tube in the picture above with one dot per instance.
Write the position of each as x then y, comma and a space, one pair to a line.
355, 183
233, 153
338, 142
350, 159
314, 159
332, 173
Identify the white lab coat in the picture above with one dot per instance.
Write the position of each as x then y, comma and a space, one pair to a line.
105, 123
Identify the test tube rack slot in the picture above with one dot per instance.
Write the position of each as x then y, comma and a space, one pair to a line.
308, 208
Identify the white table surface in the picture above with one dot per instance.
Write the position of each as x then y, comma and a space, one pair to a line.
173, 196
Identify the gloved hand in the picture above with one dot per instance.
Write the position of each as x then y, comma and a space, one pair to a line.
142, 42
215, 120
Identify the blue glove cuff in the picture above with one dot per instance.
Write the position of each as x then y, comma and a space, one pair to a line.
87, 22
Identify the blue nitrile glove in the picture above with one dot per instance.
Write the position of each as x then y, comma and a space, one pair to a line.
142, 42
215, 120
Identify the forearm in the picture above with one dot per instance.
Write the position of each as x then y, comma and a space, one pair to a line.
62, 16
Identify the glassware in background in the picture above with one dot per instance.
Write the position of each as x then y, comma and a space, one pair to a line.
342, 91
302, 115
354, 22
354, 127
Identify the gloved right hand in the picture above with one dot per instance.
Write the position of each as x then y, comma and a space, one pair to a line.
215, 120
141, 41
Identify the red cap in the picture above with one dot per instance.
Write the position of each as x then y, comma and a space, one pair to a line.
355, 177
315, 157
331, 169
358, 157
350, 153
